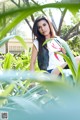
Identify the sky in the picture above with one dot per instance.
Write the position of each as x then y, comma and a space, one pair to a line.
56, 18
3, 0
28, 33
57, 12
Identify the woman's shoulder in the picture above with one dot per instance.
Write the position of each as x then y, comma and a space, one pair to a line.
57, 37
35, 42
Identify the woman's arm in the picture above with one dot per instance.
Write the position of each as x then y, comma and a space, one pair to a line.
63, 50
33, 58
56, 71
77, 59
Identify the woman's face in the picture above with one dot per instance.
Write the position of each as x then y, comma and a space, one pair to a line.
43, 28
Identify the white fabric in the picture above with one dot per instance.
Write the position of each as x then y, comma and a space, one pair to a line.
36, 44
53, 47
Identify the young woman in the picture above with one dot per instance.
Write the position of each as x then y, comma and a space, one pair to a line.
47, 58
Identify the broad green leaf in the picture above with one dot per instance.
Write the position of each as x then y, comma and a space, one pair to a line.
27, 11
70, 64
26, 105
68, 52
6, 93
7, 64
6, 39
21, 40
78, 74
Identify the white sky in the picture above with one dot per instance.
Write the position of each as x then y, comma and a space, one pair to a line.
56, 12
3, 1
56, 16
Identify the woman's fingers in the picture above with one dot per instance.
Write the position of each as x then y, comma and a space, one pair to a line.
63, 50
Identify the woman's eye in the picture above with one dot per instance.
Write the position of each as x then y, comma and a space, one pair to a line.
39, 27
44, 24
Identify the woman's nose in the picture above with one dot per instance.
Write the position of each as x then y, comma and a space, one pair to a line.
42, 28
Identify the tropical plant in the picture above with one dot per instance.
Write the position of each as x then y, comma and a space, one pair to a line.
75, 45
71, 32
17, 61
48, 97
34, 95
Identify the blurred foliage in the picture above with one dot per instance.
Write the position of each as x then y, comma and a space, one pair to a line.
36, 95
75, 45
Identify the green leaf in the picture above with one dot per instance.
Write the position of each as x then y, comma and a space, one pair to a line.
6, 93
24, 12
20, 39
5, 39
70, 64
68, 52
26, 104
78, 74
7, 64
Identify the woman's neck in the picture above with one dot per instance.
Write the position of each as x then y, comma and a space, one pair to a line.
47, 36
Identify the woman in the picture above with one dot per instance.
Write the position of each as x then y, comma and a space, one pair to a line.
47, 58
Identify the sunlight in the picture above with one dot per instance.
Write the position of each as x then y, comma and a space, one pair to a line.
3, 1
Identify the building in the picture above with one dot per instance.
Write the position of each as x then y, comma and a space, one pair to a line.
13, 45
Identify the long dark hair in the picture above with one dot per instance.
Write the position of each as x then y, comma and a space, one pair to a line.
36, 32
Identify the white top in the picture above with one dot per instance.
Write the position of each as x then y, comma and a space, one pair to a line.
55, 60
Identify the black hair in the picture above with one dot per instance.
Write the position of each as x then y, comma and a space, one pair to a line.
36, 32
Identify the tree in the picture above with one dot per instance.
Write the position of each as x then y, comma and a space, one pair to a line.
73, 31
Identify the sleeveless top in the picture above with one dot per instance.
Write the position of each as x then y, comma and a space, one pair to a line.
43, 58
52, 59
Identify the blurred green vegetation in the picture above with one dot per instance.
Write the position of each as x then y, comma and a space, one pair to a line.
37, 95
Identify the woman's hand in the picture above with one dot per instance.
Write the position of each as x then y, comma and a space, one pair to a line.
63, 50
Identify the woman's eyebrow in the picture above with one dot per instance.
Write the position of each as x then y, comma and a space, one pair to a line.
39, 26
